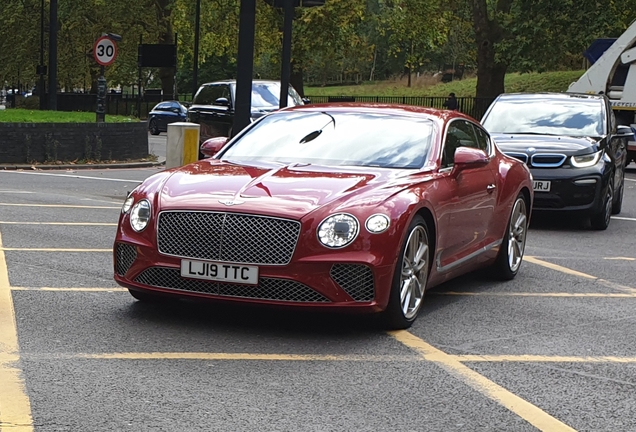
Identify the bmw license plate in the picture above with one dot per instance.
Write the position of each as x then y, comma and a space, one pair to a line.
541, 186
217, 271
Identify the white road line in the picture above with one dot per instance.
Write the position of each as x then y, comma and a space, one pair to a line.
74, 176
15, 192
623, 218
627, 179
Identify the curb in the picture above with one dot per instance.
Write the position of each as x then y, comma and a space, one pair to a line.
28, 167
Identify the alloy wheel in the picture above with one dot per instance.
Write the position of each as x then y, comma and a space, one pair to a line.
414, 271
517, 234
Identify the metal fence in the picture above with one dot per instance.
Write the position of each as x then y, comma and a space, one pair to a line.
474, 107
127, 104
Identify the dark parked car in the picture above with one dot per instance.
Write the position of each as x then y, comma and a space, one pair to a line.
575, 150
213, 105
165, 113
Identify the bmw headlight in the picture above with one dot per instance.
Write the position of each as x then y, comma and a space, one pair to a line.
586, 160
338, 230
140, 215
377, 223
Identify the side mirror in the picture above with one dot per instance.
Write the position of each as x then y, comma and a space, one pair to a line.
222, 102
212, 146
625, 131
468, 157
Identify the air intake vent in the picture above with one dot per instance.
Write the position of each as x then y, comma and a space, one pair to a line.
125, 256
355, 279
267, 288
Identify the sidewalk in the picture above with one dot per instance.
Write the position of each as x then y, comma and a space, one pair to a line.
35, 167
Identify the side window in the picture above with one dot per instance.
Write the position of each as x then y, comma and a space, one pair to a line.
208, 94
460, 133
483, 140
163, 107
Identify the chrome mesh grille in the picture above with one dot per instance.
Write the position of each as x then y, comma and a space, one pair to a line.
355, 279
267, 288
125, 256
227, 237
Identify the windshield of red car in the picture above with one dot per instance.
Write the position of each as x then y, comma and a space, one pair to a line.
576, 117
336, 138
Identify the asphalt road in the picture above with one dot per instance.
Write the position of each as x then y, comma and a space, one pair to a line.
552, 350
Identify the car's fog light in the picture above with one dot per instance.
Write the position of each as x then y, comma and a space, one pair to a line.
140, 215
377, 223
584, 182
338, 230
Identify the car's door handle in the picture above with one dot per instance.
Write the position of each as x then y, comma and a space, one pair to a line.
490, 188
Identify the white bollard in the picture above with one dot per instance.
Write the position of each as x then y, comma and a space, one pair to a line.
183, 144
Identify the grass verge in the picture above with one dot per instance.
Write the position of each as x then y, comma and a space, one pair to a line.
35, 116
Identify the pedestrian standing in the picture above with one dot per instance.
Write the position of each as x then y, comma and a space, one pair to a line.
451, 102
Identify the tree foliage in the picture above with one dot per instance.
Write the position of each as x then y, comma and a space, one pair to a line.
344, 40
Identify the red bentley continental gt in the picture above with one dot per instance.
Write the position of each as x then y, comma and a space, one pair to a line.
338, 206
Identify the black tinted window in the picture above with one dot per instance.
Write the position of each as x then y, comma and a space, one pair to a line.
207, 94
460, 134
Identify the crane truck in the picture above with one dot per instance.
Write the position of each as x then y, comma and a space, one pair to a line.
614, 74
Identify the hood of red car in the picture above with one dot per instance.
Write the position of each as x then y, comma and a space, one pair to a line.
273, 189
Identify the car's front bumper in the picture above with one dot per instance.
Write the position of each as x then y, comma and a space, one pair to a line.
579, 189
320, 282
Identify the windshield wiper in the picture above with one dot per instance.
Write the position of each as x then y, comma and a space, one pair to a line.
315, 134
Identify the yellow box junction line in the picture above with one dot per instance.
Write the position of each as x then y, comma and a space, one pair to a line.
15, 407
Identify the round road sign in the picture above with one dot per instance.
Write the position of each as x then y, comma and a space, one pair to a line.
105, 51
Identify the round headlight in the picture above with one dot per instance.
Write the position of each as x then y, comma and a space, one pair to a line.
127, 204
338, 230
377, 223
140, 215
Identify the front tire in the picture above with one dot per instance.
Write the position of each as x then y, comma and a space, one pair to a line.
410, 277
153, 128
513, 243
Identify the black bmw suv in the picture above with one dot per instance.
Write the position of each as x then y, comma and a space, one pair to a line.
572, 145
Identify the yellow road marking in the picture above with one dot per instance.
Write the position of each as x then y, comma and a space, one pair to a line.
531, 294
425, 355
620, 258
59, 206
59, 223
566, 270
53, 250
524, 409
540, 358
239, 356
558, 268
79, 289
15, 407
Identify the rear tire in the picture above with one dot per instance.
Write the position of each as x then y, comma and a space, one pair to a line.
618, 203
601, 220
513, 243
410, 277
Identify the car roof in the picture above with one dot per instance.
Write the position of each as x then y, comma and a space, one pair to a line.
395, 109
555, 96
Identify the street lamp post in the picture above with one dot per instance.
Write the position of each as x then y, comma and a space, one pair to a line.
53, 56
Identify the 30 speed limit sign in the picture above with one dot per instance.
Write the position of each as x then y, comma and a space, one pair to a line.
105, 51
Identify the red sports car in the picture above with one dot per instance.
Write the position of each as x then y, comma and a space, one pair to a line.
337, 206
